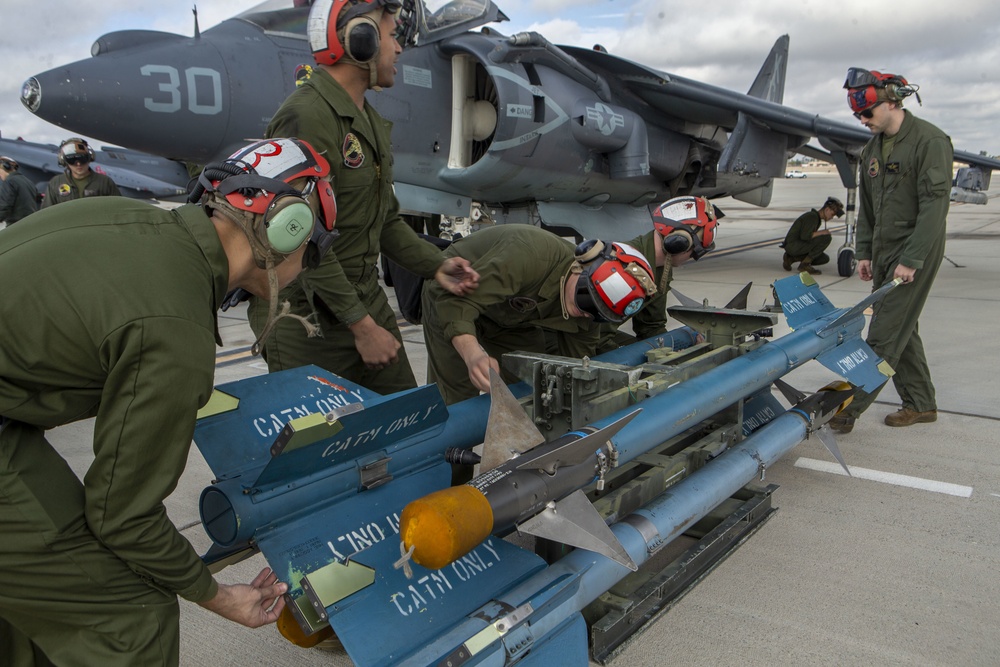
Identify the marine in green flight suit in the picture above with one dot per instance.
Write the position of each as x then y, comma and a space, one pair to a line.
359, 339
63, 188
807, 240
528, 279
78, 180
684, 228
18, 196
906, 174
90, 570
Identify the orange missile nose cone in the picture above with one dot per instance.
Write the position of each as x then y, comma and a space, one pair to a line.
292, 631
445, 525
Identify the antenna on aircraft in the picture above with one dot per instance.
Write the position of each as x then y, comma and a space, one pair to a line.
197, 30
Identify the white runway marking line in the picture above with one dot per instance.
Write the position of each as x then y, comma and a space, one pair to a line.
887, 477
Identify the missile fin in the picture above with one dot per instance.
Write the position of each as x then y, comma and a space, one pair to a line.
509, 430
685, 300
578, 451
826, 437
739, 302
791, 394
801, 299
575, 522
857, 363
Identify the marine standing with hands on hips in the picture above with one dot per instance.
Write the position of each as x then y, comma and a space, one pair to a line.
355, 48
906, 175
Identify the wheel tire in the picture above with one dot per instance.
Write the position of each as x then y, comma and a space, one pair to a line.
846, 264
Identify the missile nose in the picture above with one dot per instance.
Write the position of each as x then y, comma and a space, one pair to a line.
31, 94
445, 525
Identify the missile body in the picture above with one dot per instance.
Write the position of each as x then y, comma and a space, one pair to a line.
551, 598
456, 519
825, 333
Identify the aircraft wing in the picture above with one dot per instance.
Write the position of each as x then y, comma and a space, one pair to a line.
137, 175
694, 102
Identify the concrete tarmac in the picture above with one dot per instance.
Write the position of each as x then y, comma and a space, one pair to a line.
888, 568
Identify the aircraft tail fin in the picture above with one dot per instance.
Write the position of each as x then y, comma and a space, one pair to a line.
770, 82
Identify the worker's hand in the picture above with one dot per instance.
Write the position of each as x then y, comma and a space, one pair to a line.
904, 272
457, 276
377, 346
476, 360
252, 605
821, 232
865, 269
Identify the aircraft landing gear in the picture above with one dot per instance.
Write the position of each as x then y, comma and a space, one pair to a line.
846, 262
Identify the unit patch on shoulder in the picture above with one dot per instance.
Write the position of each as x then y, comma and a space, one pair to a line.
354, 156
873, 167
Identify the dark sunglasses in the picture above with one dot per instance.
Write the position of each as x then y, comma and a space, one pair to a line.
867, 113
77, 160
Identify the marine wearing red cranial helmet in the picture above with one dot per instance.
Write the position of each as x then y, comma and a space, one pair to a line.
687, 223
615, 281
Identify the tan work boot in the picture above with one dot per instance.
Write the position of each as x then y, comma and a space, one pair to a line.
806, 265
908, 417
841, 424
786, 262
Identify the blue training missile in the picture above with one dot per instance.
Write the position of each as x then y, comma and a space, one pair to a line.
318, 486
551, 601
442, 527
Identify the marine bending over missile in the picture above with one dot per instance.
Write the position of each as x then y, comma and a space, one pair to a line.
90, 572
532, 282
355, 48
684, 228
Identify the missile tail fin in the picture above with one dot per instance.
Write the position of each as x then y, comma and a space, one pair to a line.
801, 299
857, 363
739, 301
574, 521
509, 430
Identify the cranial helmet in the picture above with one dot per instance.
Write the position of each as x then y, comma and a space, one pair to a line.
74, 148
339, 28
687, 223
253, 186
866, 88
615, 280
8, 163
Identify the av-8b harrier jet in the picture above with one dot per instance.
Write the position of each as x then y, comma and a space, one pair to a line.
488, 127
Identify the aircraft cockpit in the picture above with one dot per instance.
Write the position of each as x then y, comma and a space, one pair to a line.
422, 22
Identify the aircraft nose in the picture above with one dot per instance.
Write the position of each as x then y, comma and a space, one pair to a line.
31, 94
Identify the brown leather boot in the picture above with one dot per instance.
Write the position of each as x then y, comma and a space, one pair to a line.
908, 417
806, 265
786, 262
841, 424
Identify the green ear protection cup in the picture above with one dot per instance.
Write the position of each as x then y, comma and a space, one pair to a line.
290, 224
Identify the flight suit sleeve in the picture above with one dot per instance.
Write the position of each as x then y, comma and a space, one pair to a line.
402, 245
328, 281
865, 230
7, 198
50, 190
159, 372
504, 271
934, 165
110, 188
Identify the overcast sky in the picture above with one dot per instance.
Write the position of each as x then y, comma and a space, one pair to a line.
950, 49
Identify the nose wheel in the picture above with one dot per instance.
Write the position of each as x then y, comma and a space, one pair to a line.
846, 264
